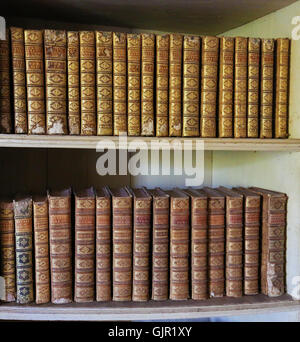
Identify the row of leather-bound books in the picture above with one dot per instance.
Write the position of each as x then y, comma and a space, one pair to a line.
107, 83
136, 244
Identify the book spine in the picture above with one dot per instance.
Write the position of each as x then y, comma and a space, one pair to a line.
162, 88
179, 249
147, 84
34, 62
24, 257
5, 104
41, 251
191, 60
226, 87
103, 248
7, 249
266, 89
122, 248
175, 78
104, 83
160, 249
240, 87
119, 83
87, 82
134, 84
19, 79
282, 85
84, 249
209, 84
253, 87
60, 249
73, 83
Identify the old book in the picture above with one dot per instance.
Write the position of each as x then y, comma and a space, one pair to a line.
134, 84
266, 88
104, 83
162, 85
5, 103
55, 45
179, 244
253, 87
24, 253
209, 85
7, 248
282, 87
73, 82
191, 60
85, 214
34, 62
240, 87
41, 249
103, 245
252, 222
87, 82
234, 242
160, 244
216, 242
273, 241
226, 87
199, 239
60, 241
119, 83
122, 244
175, 79
19, 79
147, 84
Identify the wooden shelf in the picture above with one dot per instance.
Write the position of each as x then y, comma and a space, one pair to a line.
151, 310
210, 144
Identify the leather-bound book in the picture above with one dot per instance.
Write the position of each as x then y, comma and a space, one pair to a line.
179, 244
119, 83
142, 210
160, 244
273, 242
282, 87
7, 248
240, 87
216, 242
41, 249
199, 239
147, 84
87, 82
253, 87
60, 241
191, 60
175, 79
122, 244
226, 87
252, 223
134, 84
234, 242
103, 245
266, 88
55, 44
5, 102
162, 85
24, 253
73, 82
209, 85
85, 214
34, 62
19, 79
104, 83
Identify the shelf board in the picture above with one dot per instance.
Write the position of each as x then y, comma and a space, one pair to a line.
87, 142
151, 310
